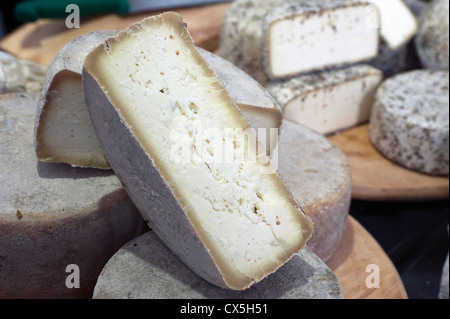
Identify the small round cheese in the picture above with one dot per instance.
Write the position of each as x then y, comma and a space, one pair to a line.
410, 121
53, 215
432, 40
145, 269
319, 176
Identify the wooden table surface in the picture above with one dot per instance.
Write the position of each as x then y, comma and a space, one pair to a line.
40, 41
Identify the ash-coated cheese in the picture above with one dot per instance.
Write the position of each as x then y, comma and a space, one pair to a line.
432, 41
53, 215
330, 100
319, 176
145, 269
409, 123
227, 215
63, 132
275, 39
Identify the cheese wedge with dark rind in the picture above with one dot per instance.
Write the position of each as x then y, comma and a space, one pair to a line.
233, 222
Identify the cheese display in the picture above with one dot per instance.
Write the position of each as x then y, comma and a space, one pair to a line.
409, 123
432, 40
145, 269
63, 130
328, 101
308, 158
148, 86
19, 75
397, 22
266, 38
53, 215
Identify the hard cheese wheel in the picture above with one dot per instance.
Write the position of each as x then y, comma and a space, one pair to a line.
409, 123
318, 175
144, 268
53, 215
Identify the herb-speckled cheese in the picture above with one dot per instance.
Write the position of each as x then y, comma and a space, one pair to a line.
432, 41
54, 215
409, 123
267, 38
328, 101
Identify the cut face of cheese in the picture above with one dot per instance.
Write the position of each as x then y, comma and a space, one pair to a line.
312, 35
328, 101
397, 22
229, 220
63, 132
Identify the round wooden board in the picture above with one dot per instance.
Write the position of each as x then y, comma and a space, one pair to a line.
40, 41
377, 178
356, 251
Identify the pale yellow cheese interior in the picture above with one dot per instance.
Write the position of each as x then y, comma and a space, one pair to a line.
64, 132
169, 98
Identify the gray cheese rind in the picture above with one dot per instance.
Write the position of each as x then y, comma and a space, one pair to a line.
432, 40
146, 269
409, 123
53, 215
155, 200
319, 176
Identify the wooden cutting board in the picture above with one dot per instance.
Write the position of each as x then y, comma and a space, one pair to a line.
377, 178
40, 41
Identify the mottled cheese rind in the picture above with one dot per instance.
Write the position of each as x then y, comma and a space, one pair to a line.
432, 40
409, 123
341, 98
145, 269
319, 176
193, 217
53, 215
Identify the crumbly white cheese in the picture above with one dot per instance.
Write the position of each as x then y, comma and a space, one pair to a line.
330, 100
311, 35
409, 123
223, 214
53, 215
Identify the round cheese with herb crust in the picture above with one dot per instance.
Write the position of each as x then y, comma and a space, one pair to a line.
54, 215
410, 121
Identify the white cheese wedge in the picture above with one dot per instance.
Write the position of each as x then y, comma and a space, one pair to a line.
53, 215
313, 35
145, 269
432, 41
229, 218
397, 22
330, 100
409, 123
63, 132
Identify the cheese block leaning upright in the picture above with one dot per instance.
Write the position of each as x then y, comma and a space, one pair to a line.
63, 133
227, 215
409, 123
56, 221
330, 100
